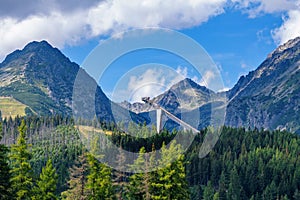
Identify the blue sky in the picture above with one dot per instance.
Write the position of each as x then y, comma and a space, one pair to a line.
236, 43
237, 34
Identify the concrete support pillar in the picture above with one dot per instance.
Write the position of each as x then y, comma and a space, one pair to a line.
158, 120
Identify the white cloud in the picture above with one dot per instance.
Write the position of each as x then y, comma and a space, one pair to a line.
176, 14
207, 78
102, 18
290, 9
182, 72
55, 28
147, 82
258, 7
225, 89
107, 17
150, 83
289, 29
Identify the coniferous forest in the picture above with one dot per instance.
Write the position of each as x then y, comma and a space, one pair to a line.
44, 158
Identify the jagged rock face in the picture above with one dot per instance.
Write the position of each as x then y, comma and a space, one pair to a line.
269, 97
184, 96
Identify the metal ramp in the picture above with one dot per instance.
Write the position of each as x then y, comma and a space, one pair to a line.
159, 112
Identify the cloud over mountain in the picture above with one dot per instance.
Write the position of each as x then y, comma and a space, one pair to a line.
70, 22
64, 23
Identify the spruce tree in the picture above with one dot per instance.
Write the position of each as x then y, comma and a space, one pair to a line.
234, 189
270, 193
120, 177
78, 179
99, 183
140, 182
171, 179
46, 185
222, 187
4, 170
21, 172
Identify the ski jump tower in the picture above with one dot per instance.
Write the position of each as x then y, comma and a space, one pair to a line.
160, 110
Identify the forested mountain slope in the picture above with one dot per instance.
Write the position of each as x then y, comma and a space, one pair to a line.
244, 164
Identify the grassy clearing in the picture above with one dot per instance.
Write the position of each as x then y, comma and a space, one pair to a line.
86, 130
11, 107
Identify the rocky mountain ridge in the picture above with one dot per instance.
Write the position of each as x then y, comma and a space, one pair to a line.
42, 78
268, 97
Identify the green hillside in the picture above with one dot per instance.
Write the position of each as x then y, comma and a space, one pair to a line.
11, 107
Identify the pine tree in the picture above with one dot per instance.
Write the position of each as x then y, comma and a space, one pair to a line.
78, 178
222, 187
140, 182
46, 185
120, 179
270, 193
234, 189
4, 170
21, 172
99, 183
171, 179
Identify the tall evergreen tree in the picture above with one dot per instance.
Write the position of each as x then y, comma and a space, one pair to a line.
99, 183
234, 189
140, 182
4, 170
120, 177
222, 187
78, 179
21, 172
270, 193
46, 185
171, 179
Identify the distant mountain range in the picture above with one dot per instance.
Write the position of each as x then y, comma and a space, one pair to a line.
41, 79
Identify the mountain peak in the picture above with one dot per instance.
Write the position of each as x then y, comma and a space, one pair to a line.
189, 83
288, 45
37, 45
42, 49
